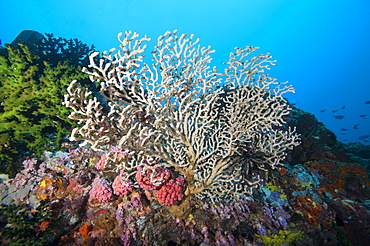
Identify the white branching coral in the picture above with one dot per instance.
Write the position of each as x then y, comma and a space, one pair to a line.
215, 129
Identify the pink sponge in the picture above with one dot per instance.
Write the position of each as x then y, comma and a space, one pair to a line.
152, 179
121, 186
100, 165
171, 192
100, 190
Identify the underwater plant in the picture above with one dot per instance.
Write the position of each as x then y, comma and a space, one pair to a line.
176, 153
32, 117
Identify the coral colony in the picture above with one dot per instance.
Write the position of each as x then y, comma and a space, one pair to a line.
174, 152
175, 115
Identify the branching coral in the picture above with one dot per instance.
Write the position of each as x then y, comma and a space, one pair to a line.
216, 130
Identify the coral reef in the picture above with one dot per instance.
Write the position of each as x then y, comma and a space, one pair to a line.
124, 191
321, 202
296, 207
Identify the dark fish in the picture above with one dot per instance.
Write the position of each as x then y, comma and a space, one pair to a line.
345, 140
344, 133
293, 104
334, 111
344, 129
363, 137
339, 117
367, 102
366, 141
322, 111
363, 116
356, 126
343, 107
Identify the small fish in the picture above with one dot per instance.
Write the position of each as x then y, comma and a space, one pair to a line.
367, 102
363, 137
363, 116
366, 141
334, 111
344, 129
293, 104
344, 133
356, 126
343, 107
339, 117
322, 111
100, 211
345, 140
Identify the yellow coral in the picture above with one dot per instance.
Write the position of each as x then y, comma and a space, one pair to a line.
283, 197
272, 187
50, 187
284, 236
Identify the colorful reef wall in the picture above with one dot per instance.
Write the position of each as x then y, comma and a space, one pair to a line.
161, 148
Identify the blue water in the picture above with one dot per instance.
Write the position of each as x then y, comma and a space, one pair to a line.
322, 46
